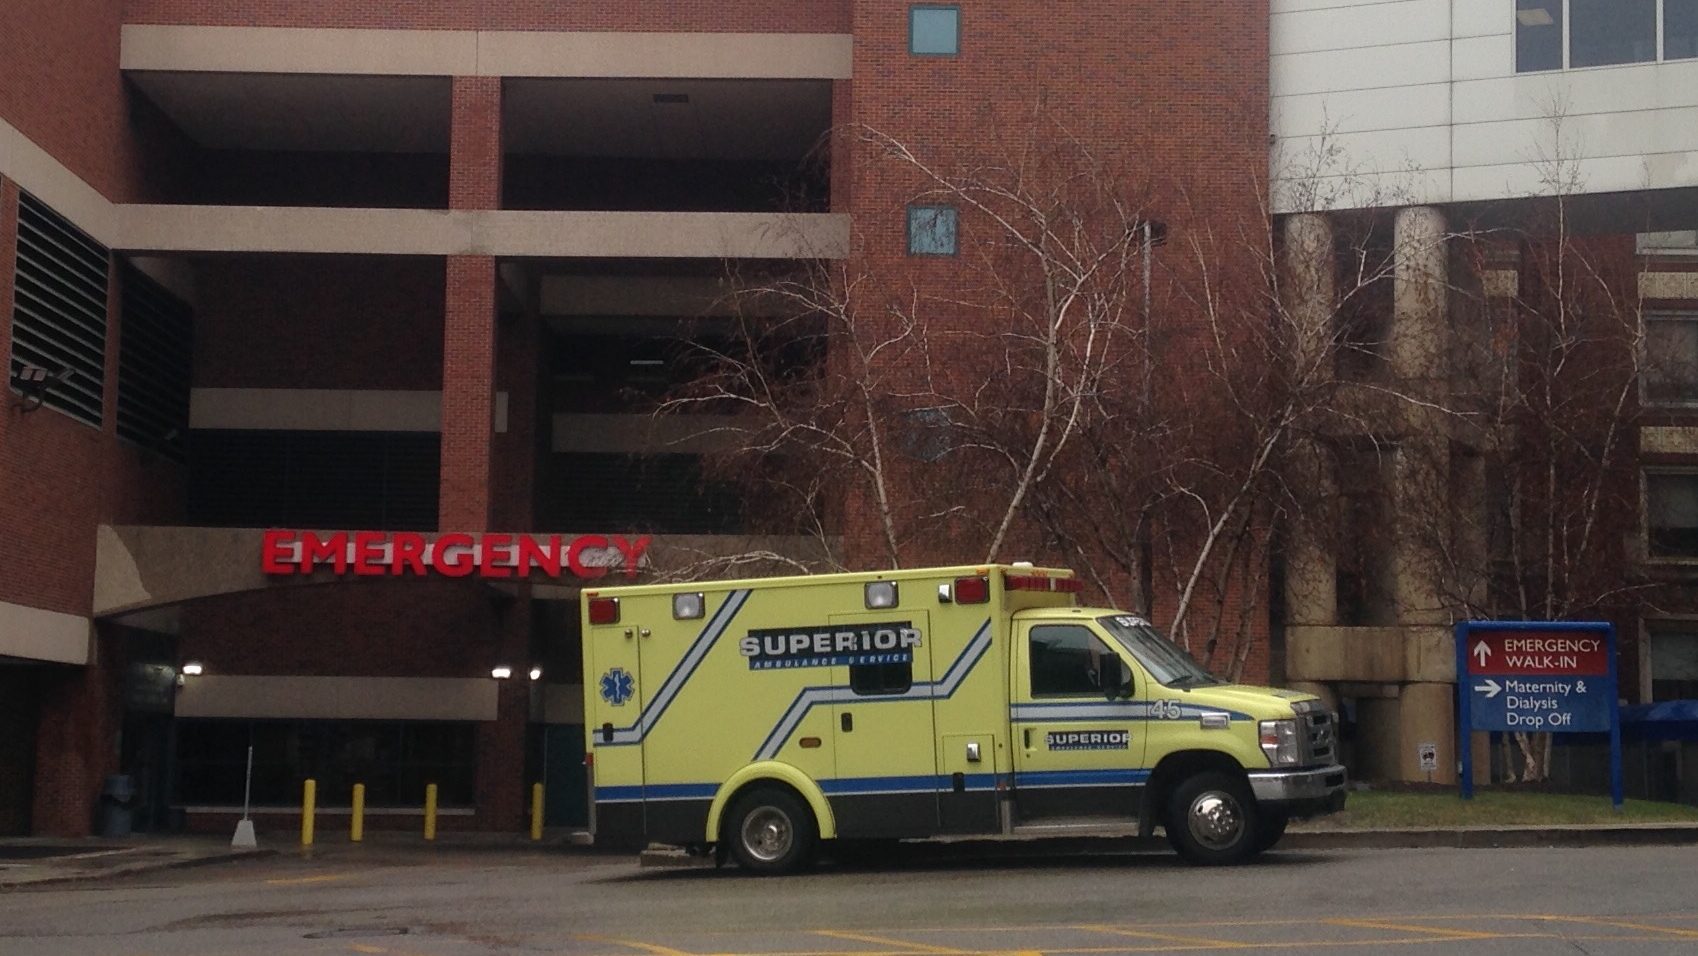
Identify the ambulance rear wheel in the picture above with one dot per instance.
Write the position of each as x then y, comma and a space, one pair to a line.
1211, 820
771, 831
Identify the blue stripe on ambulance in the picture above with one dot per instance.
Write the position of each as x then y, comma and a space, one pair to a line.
675, 681
934, 690
859, 786
1040, 779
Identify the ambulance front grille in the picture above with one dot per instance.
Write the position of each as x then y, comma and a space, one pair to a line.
1320, 737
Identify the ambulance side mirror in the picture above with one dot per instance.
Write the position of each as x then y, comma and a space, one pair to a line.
1116, 682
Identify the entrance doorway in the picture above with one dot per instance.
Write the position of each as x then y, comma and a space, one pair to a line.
19, 716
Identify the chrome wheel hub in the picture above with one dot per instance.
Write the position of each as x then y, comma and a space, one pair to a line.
1215, 820
767, 834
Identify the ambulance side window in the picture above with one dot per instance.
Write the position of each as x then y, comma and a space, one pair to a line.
1065, 661
873, 679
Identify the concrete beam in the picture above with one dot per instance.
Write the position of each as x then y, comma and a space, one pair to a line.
1392, 655
34, 634
568, 54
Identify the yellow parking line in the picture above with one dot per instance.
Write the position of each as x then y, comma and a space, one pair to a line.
905, 945
302, 880
654, 948
1199, 941
1443, 932
1623, 924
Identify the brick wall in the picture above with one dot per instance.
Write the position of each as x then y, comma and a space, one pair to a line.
318, 322
60, 86
780, 16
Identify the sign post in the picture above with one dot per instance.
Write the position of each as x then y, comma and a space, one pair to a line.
1537, 677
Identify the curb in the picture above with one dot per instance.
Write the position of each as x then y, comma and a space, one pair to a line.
128, 869
1414, 838
1487, 838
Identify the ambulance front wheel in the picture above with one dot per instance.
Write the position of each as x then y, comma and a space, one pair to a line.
1211, 820
771, 831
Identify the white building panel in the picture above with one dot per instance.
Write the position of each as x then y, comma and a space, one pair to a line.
1362, 68
1360, 27
1365, 92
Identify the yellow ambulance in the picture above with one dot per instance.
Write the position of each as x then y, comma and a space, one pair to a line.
758, 718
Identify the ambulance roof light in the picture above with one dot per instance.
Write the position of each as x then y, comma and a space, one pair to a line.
881, 594
688, 607
973, 590
604, 610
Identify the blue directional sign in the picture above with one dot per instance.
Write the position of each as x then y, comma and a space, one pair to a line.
1537, 677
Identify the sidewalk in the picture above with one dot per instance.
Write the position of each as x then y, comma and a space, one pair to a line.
39, 861
30, 862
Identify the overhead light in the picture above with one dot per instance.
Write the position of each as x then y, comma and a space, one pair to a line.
648, 361
193, 669
1535, 17
672, 97
536, 673
501, 672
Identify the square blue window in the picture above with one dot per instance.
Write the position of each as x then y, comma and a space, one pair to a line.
931, 230
934, 30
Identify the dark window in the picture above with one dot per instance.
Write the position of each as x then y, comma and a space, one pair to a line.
1538, 35
662, 494
873, 679
1674, 660
934, 30
1671, 514
1680, 29
932, 230
1065, 661
257, 479
155, 344
1671, 358
394, 759
59, 309
1602, 32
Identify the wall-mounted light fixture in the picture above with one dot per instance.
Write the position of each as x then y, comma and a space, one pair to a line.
536, 673
34, 382
193, 669
501, 672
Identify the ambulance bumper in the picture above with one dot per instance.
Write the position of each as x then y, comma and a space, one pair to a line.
1300, 793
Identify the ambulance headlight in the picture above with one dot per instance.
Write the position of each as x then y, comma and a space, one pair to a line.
686, 607
1280, 742
881, 594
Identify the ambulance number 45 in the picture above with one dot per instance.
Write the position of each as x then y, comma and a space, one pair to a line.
1165, 710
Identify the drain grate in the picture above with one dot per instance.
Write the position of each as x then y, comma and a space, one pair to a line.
357, 932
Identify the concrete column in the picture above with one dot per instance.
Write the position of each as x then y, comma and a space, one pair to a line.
1420, 338
1311, 570
468, 352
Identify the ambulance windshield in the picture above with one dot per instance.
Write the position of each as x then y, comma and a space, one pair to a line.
1169, 665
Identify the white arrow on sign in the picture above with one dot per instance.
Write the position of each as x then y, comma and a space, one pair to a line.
1491, 687
1482, 651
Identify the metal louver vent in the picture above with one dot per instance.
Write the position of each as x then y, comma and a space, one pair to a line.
155, 348
59, 317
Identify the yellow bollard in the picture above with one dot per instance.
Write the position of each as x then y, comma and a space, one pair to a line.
536, 811
309, 805
430, 811
357, 821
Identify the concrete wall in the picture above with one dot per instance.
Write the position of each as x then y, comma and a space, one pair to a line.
1418, 101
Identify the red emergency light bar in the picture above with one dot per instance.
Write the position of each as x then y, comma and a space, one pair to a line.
1037, 582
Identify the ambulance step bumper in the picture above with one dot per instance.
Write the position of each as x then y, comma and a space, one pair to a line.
1301, 793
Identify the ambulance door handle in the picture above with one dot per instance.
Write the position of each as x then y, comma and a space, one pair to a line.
643, 631
1026, 737
846, 720
629, 634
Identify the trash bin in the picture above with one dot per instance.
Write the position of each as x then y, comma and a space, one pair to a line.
117, 806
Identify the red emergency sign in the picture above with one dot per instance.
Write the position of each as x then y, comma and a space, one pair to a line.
1577, 653
454, 555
